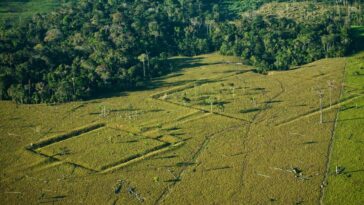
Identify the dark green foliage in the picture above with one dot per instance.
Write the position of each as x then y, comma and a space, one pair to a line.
96, 46
268, 42
92, 46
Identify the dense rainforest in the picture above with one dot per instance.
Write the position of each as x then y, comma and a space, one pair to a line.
92, 46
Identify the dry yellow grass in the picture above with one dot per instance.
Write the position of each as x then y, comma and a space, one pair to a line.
346, 186
243, 154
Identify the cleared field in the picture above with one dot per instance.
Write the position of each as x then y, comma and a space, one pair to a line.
345, 174
19, 10
170, 145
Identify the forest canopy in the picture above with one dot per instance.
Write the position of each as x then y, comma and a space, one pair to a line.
82, 49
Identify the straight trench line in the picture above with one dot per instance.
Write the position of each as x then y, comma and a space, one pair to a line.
145, 156
54, 159
317, 111
331, 147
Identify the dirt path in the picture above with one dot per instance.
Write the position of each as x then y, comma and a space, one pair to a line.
255, 123
194, 159
332, 138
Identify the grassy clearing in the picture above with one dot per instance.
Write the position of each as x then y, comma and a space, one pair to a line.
345, 175
22, 9
243, 154
296, 10
303, 11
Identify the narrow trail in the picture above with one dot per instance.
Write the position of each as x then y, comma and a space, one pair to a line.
247, 136
194, 158
330, 147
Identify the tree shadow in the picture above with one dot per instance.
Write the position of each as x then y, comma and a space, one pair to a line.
249, 110
120, 110
310, 142
182, 63
172, 129
173, 180
179, 65
160, 83
53, 199
185, 164
219, 168
272, 101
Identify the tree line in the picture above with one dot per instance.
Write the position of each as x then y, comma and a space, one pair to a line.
271, 43
94, 46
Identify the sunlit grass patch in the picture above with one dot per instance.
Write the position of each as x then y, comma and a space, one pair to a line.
345, 174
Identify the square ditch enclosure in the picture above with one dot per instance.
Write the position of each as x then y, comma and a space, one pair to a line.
100, 148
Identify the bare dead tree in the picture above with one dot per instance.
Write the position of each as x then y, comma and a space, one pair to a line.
211, 100
253, 101
233, 92
244, 87
171, 172
320, 94
195, 88
331, 86
165, 96
103, 112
